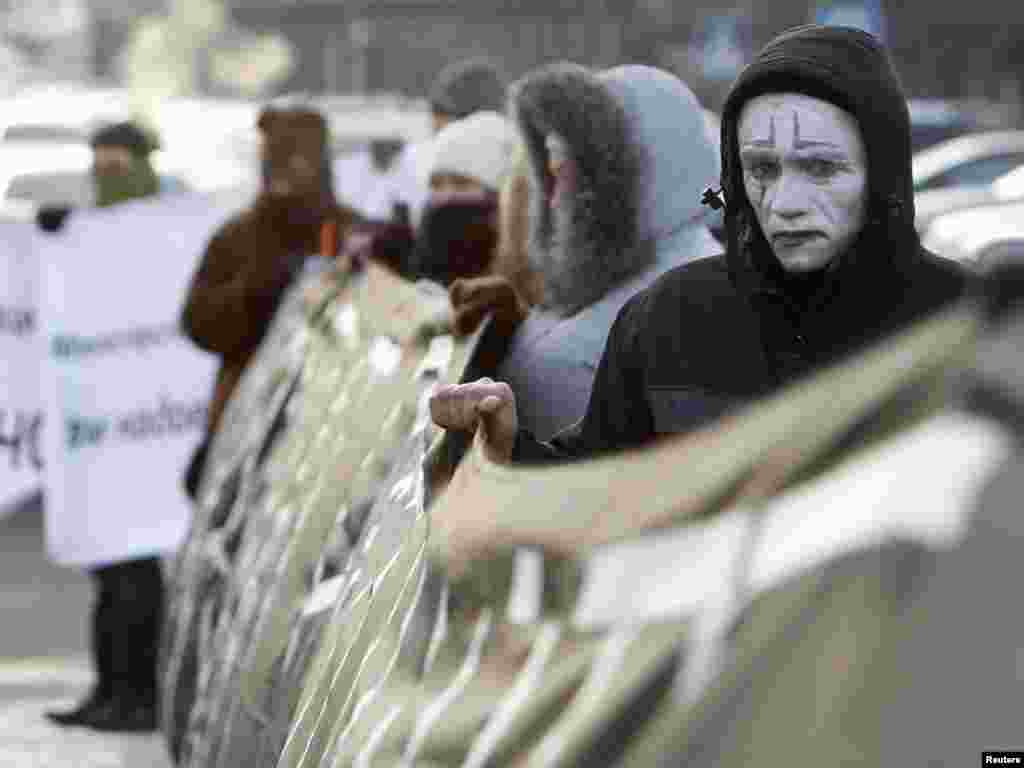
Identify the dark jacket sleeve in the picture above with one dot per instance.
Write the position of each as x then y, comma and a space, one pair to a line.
618, 415
234, 293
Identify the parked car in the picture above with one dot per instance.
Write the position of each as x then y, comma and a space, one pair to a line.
17, 210
975, 159
1001, 251
931, 204
935, 120
967, 236
23, 164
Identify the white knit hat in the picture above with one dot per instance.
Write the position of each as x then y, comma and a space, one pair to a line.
481, 146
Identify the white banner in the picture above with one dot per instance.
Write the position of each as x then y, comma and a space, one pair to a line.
127, 391
21, 417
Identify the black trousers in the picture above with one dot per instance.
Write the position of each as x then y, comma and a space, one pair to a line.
126, 622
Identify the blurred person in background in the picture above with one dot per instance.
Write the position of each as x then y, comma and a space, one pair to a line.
121, 165
465, 87
617, 160
822, 259
388, 183
121, 172
129, 607
458, 235
294, 224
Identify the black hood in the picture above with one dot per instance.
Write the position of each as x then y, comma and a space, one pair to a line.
849, 68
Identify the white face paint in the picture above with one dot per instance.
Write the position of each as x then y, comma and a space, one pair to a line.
805, 175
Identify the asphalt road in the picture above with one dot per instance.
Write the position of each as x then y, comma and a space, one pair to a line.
44, 662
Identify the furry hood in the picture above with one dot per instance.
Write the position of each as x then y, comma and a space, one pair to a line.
678, 157
641, 155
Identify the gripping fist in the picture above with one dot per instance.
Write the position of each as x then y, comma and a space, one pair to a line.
473, 298
484, 403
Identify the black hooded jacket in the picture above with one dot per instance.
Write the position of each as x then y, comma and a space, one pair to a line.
723, 331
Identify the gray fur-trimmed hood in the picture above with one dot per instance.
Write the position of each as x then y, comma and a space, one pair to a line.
637, 137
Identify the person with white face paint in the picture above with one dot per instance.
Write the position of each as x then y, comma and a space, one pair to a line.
808, 189
821, 259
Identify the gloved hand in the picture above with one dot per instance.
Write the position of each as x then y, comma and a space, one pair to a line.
50, 218
474, 298
388, 243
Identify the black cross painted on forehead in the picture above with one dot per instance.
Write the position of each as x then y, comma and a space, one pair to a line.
798, 143
770, 142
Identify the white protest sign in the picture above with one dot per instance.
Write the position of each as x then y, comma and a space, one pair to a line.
127, 392
21, 417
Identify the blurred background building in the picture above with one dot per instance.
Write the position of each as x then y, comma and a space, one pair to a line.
256, 48
952, 51
196, 71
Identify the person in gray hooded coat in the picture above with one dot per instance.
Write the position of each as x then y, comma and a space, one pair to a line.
618, 160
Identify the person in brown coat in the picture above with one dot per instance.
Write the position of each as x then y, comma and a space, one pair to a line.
253, 257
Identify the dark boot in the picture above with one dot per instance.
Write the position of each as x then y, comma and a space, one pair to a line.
123, 714
102, 655
81, 714
138, 604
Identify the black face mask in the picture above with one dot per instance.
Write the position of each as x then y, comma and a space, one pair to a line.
456, 238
